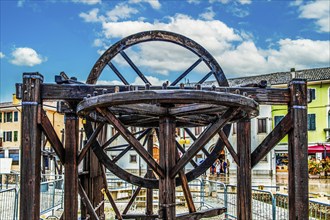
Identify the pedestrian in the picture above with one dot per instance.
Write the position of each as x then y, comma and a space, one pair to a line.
224, 167
228, 165
218, 167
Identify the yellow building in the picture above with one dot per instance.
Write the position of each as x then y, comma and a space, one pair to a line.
10, 129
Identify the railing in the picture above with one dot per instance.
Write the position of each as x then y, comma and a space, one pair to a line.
9, 204
51, 196
265, 204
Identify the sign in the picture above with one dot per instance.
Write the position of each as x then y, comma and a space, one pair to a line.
5, 165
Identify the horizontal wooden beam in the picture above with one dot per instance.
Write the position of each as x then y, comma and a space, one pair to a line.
52, 137
79, 91
271, 140
207, 213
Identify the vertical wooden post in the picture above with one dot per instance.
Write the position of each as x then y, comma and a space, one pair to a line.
167, 161
298, 151
149, 205
71, 168
244, 191
31, 148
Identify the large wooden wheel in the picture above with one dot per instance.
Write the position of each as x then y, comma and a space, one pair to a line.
144, 106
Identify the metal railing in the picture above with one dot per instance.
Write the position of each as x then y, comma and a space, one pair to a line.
265, 204
9, 203
51, 196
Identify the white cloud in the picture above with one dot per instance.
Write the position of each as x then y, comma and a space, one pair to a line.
208, 14
24, 56
319, 11
91, 16
2, 55
196, 2
121, 11
153, 81
155, 4
20, 3
243, 2
88, 2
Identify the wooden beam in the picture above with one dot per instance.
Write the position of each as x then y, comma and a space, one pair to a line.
206, 135
87, 203
52, 136
298, 151
76, 92
194, 138
107, 192
130, 202
30, 160
71, 168
167, 156
89, 143
207, 213
244, 179
149, 174
229, 147
273, 138
127, 135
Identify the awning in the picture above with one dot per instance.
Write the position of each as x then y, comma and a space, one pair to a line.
319, 148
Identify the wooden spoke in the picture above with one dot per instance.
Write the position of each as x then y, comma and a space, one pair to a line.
131, 140
135, 68
52, 136
205, 77
275, 136
116, 71
187, 71
194, 138
86, 201
229, 146
89, 143
207, 134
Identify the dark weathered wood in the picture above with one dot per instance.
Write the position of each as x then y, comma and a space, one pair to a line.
116, 71
244, 178
89, 143
140, 216
229, 147
87, 203
204, 137
207, 213
298, 147
127, 135
186, 189
52, 137
130, 202
192, 162
194, 138
71, 168
149, 196
167, 152
30, 148
108, 142
78, 92
273, 138
107, 192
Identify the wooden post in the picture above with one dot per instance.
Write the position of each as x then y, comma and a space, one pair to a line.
298, 151
244, 191
167, 154
31, 147
71, 168
149, 205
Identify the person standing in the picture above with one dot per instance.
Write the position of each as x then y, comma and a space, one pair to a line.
218, 167
224, 166
228, 165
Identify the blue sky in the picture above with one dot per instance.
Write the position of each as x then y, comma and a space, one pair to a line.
246, 37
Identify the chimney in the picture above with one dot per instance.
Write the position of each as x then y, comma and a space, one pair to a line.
15, 100
293, 73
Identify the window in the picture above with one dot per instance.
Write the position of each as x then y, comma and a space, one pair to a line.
132, 158
0, 117
234, 128
262, 125
277, 119
15, 135
7, 136
15, 116
312, 94
198, 130
15, 155
8, 117
2, 154
311, 122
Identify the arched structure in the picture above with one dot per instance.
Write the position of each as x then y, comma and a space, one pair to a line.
158, 110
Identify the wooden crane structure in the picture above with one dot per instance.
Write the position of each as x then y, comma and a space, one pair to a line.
159, 110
